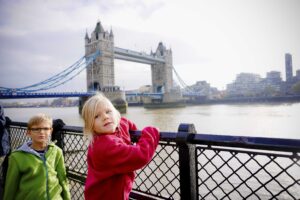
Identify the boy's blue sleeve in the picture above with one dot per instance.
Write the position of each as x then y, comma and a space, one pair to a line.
12, 179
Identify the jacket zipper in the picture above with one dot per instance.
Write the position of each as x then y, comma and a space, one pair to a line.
47, 184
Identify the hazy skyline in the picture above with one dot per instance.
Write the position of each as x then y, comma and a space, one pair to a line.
211, 40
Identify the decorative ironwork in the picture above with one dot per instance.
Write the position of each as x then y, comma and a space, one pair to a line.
160, 178
237, 174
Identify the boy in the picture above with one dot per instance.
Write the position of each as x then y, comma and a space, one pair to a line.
36, 170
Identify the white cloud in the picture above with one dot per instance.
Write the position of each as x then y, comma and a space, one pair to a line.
211, 40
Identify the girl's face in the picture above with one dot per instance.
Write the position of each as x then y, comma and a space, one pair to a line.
104, 120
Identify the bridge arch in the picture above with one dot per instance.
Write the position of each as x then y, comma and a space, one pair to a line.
94, 86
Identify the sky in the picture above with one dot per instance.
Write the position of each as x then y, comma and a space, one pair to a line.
211, 40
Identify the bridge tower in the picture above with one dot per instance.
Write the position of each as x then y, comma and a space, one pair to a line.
162, 76
100, 74
162, 79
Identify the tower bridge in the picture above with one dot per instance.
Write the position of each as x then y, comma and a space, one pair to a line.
98, 62
101, 73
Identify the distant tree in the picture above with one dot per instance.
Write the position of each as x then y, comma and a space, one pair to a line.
296, 88
61, 102
269, 90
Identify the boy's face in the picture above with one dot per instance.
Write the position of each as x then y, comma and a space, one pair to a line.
104, 120
40, 133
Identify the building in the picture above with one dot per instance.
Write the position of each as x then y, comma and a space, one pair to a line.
297, 77
288, 68
245, 85
272, 85
138, 99
200, 91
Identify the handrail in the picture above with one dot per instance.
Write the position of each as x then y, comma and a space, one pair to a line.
278, 144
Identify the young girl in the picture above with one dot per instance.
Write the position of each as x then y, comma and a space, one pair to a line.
36, 170
112, 158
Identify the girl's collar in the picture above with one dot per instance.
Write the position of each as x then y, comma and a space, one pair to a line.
117, 132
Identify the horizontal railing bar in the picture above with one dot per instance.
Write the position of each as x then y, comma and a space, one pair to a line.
164, 136
78, 129
134, 195
279, 144
22, 124
76, 176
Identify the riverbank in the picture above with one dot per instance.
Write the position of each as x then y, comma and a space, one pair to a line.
247, 100
240, 100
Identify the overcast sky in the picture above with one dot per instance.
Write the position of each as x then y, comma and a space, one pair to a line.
211, 40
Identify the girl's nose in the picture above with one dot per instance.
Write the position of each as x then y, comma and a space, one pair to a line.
105, 116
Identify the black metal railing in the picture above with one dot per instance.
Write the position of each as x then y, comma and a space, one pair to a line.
190, 165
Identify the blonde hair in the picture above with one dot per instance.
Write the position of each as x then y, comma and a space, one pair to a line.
38, 119
89, 112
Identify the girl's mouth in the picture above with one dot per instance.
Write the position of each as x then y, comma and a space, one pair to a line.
108, 123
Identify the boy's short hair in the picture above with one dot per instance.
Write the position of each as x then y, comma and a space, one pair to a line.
38, 119
89, 112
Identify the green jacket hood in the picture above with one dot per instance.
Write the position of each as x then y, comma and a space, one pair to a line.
31, 176
26, 148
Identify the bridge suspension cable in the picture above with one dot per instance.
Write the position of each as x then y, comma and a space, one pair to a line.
58, 79
181, 82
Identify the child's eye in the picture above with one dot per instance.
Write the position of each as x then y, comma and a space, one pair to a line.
96, 116
108, 111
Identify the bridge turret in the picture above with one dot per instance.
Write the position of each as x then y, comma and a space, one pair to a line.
111, 35
162, 78
161, 49
100, 74
86, 38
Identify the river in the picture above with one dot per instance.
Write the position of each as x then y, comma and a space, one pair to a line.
260, 120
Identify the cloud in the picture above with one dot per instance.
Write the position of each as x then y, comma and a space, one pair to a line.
210, 40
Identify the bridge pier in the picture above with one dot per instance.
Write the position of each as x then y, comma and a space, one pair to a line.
168, 100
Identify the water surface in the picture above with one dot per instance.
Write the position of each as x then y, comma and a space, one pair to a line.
262, 120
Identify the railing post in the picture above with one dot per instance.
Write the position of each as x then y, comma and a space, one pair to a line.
187, 162
57, 134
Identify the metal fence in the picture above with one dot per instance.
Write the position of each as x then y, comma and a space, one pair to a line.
190, 165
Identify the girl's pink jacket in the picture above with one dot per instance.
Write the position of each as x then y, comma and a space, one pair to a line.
112, 160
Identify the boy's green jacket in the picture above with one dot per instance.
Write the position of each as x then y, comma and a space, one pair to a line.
32, 176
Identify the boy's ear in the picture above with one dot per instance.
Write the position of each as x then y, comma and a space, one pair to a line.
28, 132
